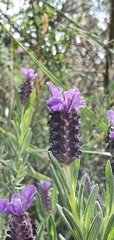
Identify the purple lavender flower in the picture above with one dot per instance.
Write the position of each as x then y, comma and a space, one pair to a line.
87, 181
45, 193
21, 52
27, 86
64, 123
89, 187
21, 226
110, 140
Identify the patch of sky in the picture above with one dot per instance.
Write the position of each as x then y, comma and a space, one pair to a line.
40, 4
54, 50
100, 12
59, 4
100, 58
62, 48
59, 35
78, 40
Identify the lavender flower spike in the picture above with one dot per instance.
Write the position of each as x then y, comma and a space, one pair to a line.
21, 226
20, 50
45, 193
64, 123
21, 53
110, 139
27, 86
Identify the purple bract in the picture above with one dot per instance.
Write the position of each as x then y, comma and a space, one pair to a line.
72, 100
18, 205
45, 186
29, 73
110, 115
20, 50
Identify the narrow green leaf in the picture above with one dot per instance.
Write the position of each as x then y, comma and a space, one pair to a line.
96, 152
54, 199
34, 174
95, 227
94, 119
11, 136
26, 120
51, 228
39, 207
76, 229
16, 131
98, 208
13, 148
74, 168
59, 209
68, 235
109, 227
26, 139
80, 206
17, 97
40, 233
109, 187
36, 153
59, 187
30, 101
111, 235
61, 237
60, 173
89, 210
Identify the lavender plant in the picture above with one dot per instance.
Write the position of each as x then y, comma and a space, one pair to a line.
84, 218
78, 205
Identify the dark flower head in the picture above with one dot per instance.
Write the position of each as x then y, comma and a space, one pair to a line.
64, 123
45, 193
27, 86
110, 140
21, 226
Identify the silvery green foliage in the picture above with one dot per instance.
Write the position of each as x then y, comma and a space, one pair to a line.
84, 217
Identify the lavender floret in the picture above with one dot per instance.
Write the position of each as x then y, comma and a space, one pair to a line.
45, 193
27, 86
